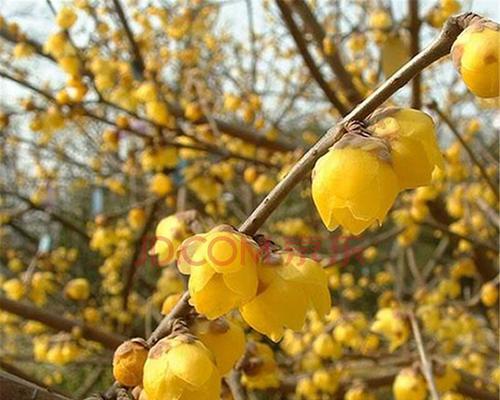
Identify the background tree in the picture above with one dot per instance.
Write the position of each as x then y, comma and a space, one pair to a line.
130, 112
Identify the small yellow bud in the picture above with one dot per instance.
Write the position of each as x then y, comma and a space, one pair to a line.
476, 55
77, 289
128, 362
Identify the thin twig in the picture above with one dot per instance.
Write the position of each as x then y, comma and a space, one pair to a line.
138, 63
412, 264
55, 321
426, 365
415, 23
306, 55
437, 49
334, 60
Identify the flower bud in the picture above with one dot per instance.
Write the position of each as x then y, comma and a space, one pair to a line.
476, 54
128, 362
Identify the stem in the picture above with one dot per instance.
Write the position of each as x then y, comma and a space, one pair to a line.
437, 49
426, 365
308, 59
55, 321
12, 387
416, 94
138, 62
333, 60
181, 309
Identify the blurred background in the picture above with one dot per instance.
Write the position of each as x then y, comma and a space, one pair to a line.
115, 114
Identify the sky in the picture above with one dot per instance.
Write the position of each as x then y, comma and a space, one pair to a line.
36, 19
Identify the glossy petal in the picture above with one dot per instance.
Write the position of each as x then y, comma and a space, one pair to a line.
191, 363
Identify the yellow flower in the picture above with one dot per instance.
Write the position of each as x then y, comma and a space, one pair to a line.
263, 184
222, 265
409, 384
146, 92
70, 65
128, 362
14, 289
476, 54
136, 218
66, 17
263, 372
380, 19
359, 393
391, 324
193, 111
181, 368
161, 184
412, 138
289, 285
327, 381
224, 339
22, 50
170, 302
77, 289
170, 233
446, 378
489, 294
354, 184
158, 112
325, 347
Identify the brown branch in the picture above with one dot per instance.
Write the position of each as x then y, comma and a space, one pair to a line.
333, 60
246, 134
55, 321
489, 212
182, 308
475, 393
15, 388
13, 370
23, 232
138, 62
445, 229
475, 160
306, 55
37, 47
437, 49
415, 24
426, 364
63, 221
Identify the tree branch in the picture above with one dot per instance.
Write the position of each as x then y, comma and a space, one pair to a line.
426, 365
333, 60
309, 61
415, 23
437, 49
55, 321
14, 388
138, 62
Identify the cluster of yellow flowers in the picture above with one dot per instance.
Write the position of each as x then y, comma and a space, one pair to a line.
172, 135
227, 270
357, 181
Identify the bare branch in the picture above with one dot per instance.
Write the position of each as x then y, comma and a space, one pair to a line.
437, 49
426, 365
311, 65
55, 321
